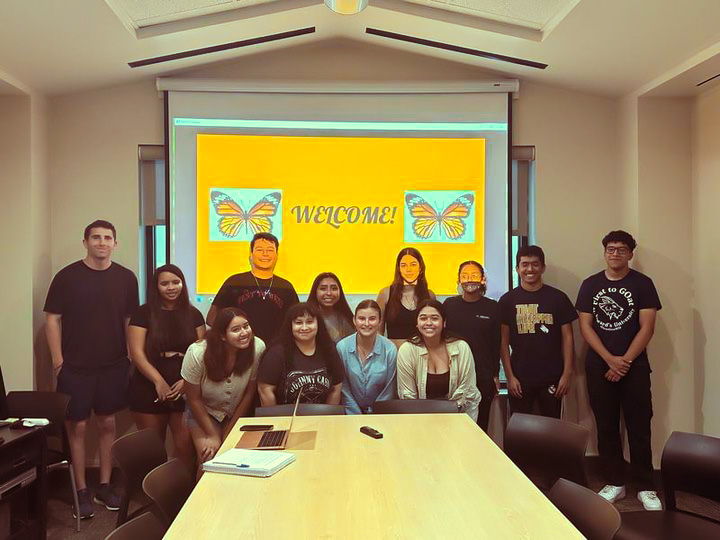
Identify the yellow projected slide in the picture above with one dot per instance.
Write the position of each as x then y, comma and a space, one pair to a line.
339, 204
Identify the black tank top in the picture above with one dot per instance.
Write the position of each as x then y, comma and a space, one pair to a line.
403, 325
437, 385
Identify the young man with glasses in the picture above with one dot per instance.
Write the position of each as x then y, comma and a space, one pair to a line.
617, 308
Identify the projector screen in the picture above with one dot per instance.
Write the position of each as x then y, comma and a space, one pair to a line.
343, 180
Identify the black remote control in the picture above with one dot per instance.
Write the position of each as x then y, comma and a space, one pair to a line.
371, 432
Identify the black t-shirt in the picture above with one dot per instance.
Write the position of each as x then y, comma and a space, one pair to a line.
94, 305
266, 305
535, 319
615, 307
478, 323
292, 371
171, 322
403, 325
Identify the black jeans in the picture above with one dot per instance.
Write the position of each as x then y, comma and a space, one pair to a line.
487, 391
548, 404
632, 395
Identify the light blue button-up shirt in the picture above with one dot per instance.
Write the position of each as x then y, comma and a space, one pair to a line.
374, 381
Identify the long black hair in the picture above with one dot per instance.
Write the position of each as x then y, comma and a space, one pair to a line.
394, 302
341, 307
157, 338
286, 339
445, 336
215, 352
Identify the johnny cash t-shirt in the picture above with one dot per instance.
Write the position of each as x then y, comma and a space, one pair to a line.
292, 371
615, 307
535, 319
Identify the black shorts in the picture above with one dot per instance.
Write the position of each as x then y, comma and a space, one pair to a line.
104, 391
143, 394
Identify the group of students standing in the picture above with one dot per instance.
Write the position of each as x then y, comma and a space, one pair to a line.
263, 344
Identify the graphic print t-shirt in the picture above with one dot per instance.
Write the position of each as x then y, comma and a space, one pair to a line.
535, 319
615, 307
290, 372
265, 301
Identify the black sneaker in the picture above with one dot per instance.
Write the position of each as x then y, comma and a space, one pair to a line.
106, 495
85, 504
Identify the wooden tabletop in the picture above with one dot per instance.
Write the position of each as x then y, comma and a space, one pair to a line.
431, 476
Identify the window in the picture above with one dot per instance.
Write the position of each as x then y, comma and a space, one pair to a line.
152, 231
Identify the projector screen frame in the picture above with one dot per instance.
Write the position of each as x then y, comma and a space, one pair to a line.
509, 87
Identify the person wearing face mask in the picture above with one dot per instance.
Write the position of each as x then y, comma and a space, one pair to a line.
264, 296
158, 336
220, 379
399, 301
369, 360
302, 362
536, 323
476, 319
433, 364
327, 294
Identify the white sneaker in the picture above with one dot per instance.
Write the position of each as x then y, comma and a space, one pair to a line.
650, 500
613, 493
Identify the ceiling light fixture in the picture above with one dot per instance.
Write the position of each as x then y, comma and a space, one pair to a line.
346, 7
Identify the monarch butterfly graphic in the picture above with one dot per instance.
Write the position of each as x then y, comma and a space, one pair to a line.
233, 217
451, 220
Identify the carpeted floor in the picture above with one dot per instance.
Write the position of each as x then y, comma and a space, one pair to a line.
61, 524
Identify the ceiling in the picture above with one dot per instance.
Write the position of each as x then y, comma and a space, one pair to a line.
607, 47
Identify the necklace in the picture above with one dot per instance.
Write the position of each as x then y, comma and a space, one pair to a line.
263, 294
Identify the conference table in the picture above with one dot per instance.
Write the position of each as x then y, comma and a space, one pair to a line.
430, 476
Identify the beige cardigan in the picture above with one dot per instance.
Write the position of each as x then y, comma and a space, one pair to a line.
412, 374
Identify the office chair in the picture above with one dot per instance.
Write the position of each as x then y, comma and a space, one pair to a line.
547, 448
592, 515
304, 409
143, 527
169, 485
414, 406
136, 454
690, 463
53, 406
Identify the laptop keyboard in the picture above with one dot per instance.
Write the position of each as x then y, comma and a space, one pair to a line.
272, 438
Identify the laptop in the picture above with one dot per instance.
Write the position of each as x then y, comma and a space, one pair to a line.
275, 439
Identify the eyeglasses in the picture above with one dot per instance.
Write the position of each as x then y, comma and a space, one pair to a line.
618, 250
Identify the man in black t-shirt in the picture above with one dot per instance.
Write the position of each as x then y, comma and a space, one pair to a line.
618, 307
87, 309
476, 319
264, 296
537, 325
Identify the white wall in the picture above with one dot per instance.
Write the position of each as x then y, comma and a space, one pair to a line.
16, 238
705, 354
664, 235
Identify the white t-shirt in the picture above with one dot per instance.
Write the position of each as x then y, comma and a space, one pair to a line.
221, 398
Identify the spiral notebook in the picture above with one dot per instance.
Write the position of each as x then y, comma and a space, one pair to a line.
244, 462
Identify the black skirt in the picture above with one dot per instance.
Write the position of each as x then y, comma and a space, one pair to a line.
142, 391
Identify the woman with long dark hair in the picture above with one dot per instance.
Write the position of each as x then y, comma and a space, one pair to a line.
327, 294
219, 373
302, 362
399, 301
159, 333
435, 365
369, 361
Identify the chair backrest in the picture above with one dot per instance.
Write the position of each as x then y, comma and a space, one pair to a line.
144, 527
169, 486
137, 454
414, 406
37, 404
547, 447
691, 462
304, 409
594, 517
